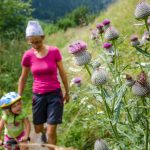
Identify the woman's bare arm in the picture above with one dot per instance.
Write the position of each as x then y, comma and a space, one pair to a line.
64, 80
22, 79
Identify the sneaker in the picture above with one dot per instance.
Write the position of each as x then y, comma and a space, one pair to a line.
44, 137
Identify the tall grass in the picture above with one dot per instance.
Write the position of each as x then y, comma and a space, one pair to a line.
85, 118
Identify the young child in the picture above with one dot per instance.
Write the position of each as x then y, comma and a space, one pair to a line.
14, 120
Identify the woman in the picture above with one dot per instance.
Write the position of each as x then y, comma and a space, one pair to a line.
43, 61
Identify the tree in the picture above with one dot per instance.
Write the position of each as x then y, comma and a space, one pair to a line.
13, 14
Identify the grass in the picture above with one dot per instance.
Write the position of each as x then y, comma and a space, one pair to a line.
85, 119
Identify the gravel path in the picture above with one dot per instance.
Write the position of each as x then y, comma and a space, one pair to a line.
35, 138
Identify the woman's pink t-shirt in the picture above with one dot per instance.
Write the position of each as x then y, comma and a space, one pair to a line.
44, 69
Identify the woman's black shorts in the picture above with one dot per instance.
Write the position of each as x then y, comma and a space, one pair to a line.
47, 107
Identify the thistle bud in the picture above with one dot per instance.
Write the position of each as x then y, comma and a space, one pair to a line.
99, 77
111, 34
94, 34
129, 80
106, 24
77, 81
139, 89
109, 48
99, 26
100, 145
134, 40
142, 10
82, 58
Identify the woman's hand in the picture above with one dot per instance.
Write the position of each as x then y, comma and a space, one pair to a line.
25, 139
66, 98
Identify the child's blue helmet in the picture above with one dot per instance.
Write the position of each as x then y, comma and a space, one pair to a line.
9, 99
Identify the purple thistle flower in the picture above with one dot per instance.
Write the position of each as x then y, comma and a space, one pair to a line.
106, 22
134, 40
77, 81
109, 48
99, 26
107, 45
77, 46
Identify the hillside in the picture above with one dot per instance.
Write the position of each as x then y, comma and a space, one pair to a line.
52, 10
79, 115
110, 112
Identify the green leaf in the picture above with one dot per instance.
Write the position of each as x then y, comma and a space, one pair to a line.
142, 51
117, 108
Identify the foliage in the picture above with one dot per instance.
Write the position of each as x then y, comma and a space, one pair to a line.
78, 17
51, 10
13, 16
86, 118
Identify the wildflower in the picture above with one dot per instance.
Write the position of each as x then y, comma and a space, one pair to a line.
129, 80
141, 86
100, 145
94, 34
111, 34
134, 40
77, 46
78, 49
142, 10
109, 48
99, 26
99, 77
77, 81
145, 37
106, 24
82, 57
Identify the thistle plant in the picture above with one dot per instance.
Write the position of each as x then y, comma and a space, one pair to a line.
141, 88
77, 81
111, 34
100, 29
134, 40
142, 12
106, 24
99, 76
81, 55
100, 144
94, 35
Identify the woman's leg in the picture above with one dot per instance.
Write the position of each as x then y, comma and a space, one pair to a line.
52, 134
39, 128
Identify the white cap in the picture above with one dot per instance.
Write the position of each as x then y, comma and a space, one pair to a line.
34, 29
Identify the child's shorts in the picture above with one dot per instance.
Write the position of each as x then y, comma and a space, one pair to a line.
7, 138
47, 107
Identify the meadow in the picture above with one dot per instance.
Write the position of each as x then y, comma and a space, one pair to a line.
111, 110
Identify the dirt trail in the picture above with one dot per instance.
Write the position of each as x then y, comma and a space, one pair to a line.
35, 138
